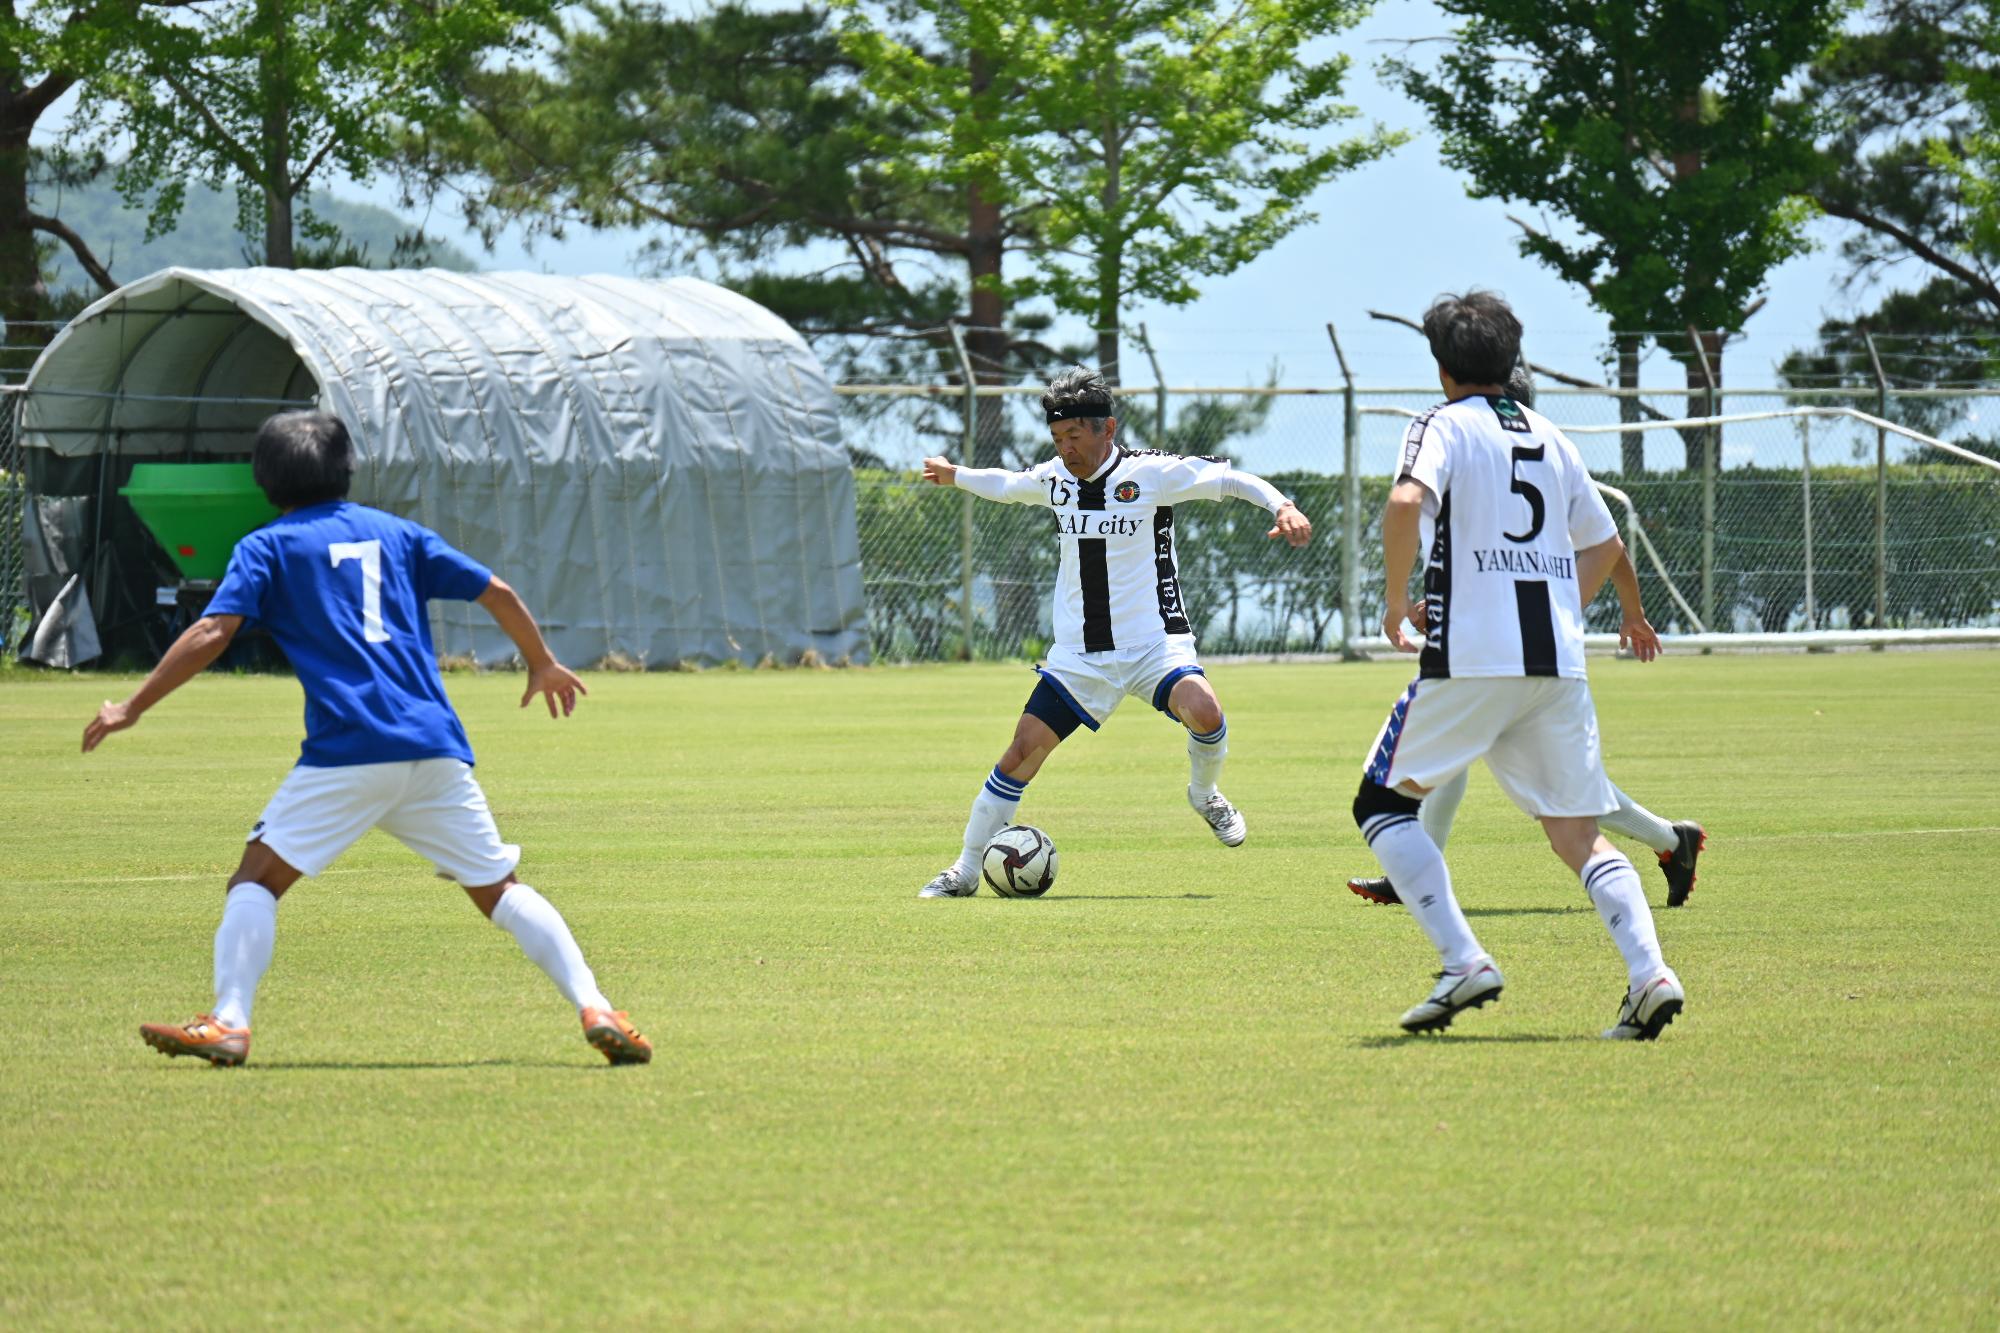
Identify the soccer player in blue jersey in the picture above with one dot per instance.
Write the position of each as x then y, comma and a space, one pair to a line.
342, 588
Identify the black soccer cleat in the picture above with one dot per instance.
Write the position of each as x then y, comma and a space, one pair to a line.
1375, 890
1678, 865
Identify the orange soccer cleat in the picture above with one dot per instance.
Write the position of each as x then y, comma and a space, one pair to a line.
613, 1034
205, 1037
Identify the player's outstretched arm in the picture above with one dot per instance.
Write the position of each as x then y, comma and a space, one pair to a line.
988, 483
546, 676
1610, 560
198, 645
1401, 535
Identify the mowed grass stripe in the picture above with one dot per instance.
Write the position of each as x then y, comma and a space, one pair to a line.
1171, 1094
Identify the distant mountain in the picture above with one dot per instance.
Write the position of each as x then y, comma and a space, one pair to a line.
207, 236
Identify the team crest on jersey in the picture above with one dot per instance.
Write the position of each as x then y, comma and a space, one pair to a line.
1510, 414
1128, 491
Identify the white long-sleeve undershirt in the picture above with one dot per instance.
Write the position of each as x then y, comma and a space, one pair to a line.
993, 483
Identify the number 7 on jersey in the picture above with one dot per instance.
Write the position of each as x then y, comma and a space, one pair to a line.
369, 553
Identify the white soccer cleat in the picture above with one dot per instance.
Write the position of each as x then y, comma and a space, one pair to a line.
1455, 992
1224, 819
1647, 1010
950, 884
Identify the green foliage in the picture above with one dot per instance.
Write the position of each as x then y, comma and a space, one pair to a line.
269, 95
1153, 144
1653, 131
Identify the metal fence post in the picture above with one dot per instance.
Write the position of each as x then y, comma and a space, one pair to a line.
1710, 442
1350, 527
1881, 488
1159, 440
967, 452
1805, 503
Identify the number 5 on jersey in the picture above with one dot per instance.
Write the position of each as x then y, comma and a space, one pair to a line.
1527, 490
369, 553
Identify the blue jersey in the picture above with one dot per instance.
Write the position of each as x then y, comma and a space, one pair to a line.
342, 588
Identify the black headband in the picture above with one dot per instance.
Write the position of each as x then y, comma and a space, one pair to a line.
1074, 414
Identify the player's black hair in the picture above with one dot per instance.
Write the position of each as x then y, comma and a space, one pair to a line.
1521, 385
1077, 392
302, 458
1475, 337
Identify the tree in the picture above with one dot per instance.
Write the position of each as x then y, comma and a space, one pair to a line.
272, 94
1655, 132
1912, 108
1156, 142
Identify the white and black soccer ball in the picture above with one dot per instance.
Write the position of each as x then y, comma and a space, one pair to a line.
1020, 862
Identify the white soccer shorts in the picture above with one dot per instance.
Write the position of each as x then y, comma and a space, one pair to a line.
1095, 683
434, 807
1538, 735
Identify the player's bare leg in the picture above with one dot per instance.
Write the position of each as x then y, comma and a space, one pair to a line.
243, 944
993, 808
544, 936
1654, 995
1194, 705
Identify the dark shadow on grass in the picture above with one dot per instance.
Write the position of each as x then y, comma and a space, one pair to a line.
1525, 911
1412, 1039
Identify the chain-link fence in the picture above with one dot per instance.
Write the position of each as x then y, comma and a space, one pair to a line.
13, 513
1800, 522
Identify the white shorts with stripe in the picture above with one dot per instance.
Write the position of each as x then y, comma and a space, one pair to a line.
1094, 684
1538, 735
434, 807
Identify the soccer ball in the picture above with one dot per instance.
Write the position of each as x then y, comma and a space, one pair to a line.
1020, 862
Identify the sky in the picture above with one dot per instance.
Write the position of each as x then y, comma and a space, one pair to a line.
1389, 236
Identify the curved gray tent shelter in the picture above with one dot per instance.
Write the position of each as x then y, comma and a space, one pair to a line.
656, 465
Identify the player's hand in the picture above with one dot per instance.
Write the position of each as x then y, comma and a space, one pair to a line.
1292, 525
940, 472
554, 681
1392, 626
112, 717
1637, 637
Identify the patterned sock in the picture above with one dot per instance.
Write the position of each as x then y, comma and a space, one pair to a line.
1614, 889
992, 810
243, 944
1440, 808
544, 936
1416, 867
1636, 821
1206, 751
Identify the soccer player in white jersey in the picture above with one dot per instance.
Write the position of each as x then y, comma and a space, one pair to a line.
1120, 626
343, 588
1518, 540
1677, 844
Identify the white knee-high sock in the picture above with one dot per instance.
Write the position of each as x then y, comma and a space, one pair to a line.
1416, 867
1440, 808
1614, 889
243, 944
1636, 821
1206, 751
992, 810
544, 936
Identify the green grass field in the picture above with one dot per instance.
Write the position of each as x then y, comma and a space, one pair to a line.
1171, 1094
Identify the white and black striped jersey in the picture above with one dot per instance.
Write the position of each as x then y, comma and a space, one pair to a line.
1119, 586
1509, 505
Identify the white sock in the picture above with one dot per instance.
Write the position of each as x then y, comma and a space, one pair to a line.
1205, 755
1440, 808
992, 810
243, 944
1636, 821
1416, 867
544, 936
1614, 889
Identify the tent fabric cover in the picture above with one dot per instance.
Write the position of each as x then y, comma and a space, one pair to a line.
657, 466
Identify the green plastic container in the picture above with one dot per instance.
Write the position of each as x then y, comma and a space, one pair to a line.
198, 511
